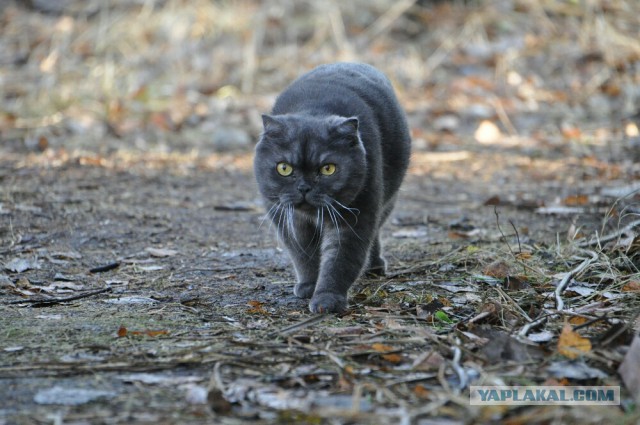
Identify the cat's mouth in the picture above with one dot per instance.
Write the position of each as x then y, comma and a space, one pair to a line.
306, 206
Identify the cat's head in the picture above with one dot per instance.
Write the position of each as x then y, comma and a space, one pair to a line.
309, 162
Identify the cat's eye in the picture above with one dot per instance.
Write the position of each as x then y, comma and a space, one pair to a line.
284, 169
328, 169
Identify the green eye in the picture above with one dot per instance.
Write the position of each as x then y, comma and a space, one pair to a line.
328, 169
284, 169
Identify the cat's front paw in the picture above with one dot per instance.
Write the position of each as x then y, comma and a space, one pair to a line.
328, 302
304, 289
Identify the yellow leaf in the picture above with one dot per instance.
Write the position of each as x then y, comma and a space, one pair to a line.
576, 200
156, 333
392, 358
381, 348
571, 344
578, 320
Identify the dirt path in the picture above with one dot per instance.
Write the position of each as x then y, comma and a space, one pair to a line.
199, 283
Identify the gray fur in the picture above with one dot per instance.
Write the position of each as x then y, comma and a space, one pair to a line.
344, 114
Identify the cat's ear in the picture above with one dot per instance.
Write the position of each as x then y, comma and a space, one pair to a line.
271, 124
347, 127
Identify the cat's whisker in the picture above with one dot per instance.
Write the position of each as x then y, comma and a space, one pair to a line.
289, 221
344, 221
334, 220
281, 221
354, 211
269, 215
291, 228
286, 230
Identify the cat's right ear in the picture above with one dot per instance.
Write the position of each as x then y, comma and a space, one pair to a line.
271, 125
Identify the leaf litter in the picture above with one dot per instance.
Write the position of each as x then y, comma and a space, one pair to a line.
136, 179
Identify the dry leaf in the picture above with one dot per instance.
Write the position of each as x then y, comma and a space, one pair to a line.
571, 133
494, 200
392, 358
156, 333
571, 344
349, 370
381, 348
19, 265
633, 286
123, 331
421, 391
576, 200
578, 320
498, 269
95, 160
431, 360
554, 382
516, 283
256, 308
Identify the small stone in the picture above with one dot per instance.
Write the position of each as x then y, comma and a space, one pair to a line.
226, 139
447, 122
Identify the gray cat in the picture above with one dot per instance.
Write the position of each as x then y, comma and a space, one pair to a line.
329, 163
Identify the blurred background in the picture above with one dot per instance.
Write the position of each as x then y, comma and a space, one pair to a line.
92, 79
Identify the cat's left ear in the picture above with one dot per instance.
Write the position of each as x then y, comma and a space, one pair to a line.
348, 127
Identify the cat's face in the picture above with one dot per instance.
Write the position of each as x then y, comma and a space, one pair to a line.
310, 163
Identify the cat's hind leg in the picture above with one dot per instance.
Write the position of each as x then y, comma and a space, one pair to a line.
377, 265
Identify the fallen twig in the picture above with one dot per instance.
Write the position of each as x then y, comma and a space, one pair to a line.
540, 320
297, 326
558, 293
50, 301
459, 370
570, 275
105, 268
609, 237
504, 238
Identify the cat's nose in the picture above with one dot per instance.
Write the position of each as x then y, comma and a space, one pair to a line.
304, 188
